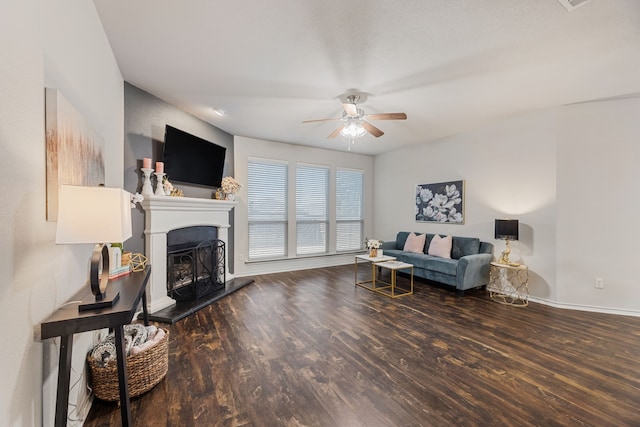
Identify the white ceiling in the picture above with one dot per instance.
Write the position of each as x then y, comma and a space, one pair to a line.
451, 65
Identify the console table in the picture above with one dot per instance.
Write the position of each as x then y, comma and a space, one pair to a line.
67, 320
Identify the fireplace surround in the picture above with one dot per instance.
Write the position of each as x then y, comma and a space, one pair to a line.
164, 214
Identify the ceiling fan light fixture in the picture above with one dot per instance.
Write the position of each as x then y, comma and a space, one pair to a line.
355, 123
353, 129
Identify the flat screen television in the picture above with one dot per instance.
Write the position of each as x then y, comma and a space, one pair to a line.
192, 160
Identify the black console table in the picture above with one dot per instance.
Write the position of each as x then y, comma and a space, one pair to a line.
67, 321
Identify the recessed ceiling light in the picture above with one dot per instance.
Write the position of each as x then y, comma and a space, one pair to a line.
219, 111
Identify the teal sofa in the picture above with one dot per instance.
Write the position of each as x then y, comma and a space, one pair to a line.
468, 267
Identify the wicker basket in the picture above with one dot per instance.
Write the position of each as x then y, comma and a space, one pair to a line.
145, 370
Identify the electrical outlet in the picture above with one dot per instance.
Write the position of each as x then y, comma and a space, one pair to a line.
598, 282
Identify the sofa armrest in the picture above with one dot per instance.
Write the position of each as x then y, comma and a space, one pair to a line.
473, 271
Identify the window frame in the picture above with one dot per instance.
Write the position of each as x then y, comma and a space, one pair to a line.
326, 221
360, 220
284, 222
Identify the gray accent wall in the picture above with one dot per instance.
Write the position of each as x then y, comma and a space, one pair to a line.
145, 117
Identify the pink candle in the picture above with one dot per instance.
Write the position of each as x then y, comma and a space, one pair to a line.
146, 163
159, 167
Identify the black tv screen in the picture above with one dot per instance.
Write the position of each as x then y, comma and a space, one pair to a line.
192, 160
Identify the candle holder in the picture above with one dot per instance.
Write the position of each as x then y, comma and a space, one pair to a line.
159, 186
147, 189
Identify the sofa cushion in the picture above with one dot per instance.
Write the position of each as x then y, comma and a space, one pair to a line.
401, 239
431, 263
440, 246
427, 243
463, 246
415, 243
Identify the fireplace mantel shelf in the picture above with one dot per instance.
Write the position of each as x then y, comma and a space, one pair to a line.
186, 203
166, 213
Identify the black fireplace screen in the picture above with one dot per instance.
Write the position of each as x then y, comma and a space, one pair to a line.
193, 272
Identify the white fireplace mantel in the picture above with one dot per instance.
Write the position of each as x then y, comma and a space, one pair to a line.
165, 213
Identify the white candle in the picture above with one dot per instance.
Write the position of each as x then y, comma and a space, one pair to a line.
159, 167
146, 163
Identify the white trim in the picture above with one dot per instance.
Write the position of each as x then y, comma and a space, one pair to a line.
165, 213
267, 160
283, 266
594, 309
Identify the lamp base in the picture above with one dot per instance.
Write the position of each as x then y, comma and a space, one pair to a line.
504, 256
91, 302
504, 259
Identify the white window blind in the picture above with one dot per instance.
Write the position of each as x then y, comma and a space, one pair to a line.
312, 213
349, 210
267, 209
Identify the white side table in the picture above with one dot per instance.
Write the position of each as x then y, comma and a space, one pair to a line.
509, 284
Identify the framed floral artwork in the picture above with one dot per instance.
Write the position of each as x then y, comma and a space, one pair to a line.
442, 202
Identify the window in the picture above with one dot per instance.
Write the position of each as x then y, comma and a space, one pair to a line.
267, 209
349, 209
312, 213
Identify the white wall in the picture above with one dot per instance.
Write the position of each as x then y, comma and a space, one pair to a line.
508, 173
598, 204
59, 44
245, 148
569, 175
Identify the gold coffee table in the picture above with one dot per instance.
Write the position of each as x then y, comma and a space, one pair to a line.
372, 261
391, 288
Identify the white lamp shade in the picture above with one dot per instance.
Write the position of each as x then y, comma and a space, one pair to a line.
93, 215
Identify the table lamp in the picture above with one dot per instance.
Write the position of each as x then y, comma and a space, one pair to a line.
506, 229
97, 215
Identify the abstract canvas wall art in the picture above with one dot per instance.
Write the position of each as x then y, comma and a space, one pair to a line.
74, 149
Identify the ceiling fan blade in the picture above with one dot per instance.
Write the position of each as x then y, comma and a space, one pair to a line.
387, 116
372, 129
320, 120
351, 109
335, 132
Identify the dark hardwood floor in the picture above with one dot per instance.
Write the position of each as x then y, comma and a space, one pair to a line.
309, 348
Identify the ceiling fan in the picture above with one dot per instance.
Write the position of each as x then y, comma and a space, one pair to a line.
356, 123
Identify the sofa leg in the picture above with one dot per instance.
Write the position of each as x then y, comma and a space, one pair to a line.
459, 292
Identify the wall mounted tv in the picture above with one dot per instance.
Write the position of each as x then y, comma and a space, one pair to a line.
192, 160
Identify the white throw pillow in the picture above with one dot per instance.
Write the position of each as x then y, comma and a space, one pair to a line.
415, 243
441, 246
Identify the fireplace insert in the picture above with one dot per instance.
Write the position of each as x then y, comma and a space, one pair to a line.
194, 269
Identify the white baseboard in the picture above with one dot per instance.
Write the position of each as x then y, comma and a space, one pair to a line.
282, 266
580, 307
